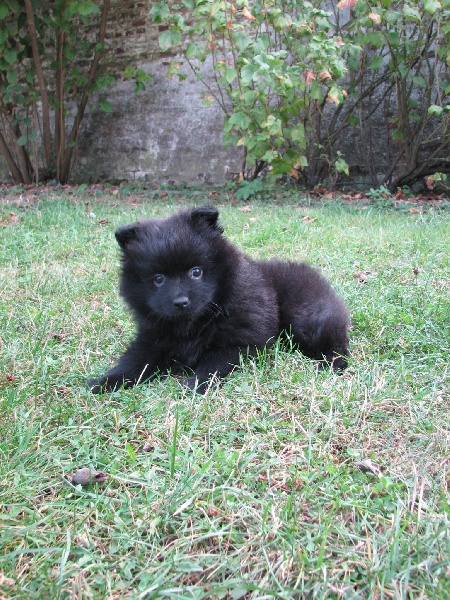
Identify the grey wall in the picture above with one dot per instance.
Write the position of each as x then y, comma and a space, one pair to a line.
163, 133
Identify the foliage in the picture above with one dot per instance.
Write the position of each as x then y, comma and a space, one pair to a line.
49, 63
275, 66
253, 490
402, 78
292, 79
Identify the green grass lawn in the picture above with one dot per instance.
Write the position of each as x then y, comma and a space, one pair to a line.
255, 490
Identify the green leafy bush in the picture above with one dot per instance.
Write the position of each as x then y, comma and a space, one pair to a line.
292, 78
49, 60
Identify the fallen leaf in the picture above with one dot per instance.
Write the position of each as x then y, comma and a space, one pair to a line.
9, 220
245, 209
368, 466
83, 541
361, 276
307, 219
212, 511
415, 271
86, 477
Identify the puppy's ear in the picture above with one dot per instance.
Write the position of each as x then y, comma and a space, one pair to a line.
208, 215
125, 234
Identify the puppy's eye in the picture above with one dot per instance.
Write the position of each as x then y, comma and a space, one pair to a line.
195, 273
158, 280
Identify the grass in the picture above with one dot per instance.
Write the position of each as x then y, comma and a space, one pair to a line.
254, 490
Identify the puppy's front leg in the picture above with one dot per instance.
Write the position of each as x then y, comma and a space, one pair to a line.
136, 365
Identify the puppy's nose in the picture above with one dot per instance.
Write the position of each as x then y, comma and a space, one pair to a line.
181, 302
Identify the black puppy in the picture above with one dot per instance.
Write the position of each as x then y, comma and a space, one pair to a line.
199, 303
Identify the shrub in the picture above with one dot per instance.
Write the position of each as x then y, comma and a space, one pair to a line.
50, 57
292, 78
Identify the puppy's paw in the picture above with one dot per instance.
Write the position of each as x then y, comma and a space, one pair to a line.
97, 386
105, 385
336, 363
339, 363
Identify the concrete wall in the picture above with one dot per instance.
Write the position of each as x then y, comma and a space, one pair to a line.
163, 133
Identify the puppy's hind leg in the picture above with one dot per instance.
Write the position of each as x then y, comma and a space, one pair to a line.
323, 337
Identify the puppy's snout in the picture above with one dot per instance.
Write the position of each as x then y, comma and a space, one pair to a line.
181, 303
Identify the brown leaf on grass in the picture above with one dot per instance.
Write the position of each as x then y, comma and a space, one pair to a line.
368, 466
86, 477
83, 541
212, 511
307, 219
10, 220
245, 209
361, 276
62, 390
148, 446
415, 271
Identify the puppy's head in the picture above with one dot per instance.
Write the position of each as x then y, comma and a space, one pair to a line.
171, 268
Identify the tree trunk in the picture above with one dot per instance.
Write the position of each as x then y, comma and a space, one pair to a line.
46, 133
68, 152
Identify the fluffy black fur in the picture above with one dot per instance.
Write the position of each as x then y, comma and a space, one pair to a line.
199, 303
